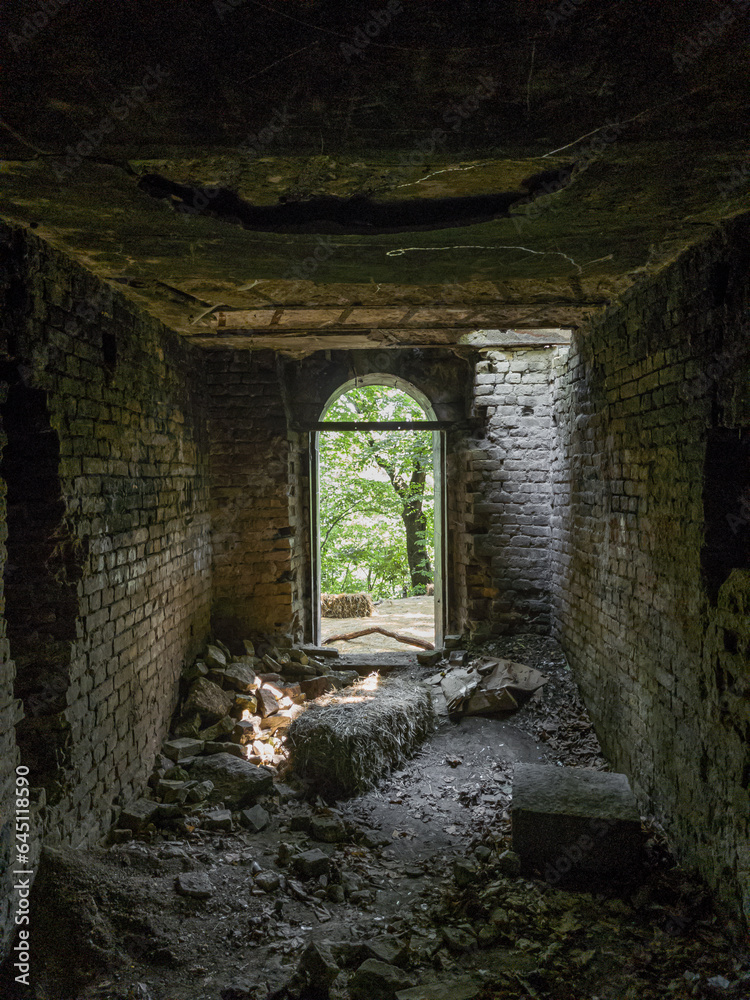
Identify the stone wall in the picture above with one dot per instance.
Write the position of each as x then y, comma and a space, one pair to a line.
651, 537
106, 531
503, 512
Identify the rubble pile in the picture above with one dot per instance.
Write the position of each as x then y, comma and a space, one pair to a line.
347, 742
228, 738
346, 605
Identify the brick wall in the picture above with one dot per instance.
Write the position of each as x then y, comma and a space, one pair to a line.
651, 533
502, 499
253, 512
122, 529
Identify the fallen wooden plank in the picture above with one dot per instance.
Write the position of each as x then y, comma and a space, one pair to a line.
408, 639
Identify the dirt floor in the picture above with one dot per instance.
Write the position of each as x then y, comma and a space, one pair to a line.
411, 874
413, 616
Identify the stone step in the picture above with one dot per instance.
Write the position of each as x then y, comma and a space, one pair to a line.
573, 823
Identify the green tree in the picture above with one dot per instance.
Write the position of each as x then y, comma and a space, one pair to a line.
376, 497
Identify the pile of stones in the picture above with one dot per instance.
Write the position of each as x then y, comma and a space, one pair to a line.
227, 741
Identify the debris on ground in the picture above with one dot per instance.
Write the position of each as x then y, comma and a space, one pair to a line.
410, 891
229, 734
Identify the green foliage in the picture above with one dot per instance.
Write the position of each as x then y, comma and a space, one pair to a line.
368, 480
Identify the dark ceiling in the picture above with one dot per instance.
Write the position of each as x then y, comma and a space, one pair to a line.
283, 163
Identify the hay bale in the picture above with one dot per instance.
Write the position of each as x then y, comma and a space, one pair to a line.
346, 605
347, 744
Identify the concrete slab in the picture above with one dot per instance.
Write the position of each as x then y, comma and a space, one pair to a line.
574, 823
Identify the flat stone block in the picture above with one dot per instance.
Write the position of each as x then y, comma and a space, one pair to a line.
181, 748
571, 823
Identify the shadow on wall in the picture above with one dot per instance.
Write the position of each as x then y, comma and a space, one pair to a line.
41, 573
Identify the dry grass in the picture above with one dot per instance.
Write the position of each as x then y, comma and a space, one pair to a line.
346, 745
346, 605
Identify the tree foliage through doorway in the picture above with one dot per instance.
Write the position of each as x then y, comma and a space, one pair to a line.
376, 498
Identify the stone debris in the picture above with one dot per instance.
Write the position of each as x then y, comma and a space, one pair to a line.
229, 733
255, 819
376, 980
197, 885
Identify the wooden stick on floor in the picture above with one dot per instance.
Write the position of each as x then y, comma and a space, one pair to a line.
409, 640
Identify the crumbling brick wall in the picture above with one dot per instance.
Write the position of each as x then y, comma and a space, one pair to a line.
502, 513
125, 414
253, 473
652, 546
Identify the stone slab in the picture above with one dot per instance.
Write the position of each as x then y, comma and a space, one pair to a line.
571, 823
463, 988
180, 749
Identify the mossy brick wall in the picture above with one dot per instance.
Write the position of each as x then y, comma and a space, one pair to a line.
124, 415
651, 535
253, 512
501, 513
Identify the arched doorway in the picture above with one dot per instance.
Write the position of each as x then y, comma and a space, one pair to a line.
349, 412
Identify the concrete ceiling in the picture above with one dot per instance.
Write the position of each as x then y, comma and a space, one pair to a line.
295, 174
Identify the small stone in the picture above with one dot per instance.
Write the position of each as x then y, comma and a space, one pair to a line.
237, 782
169, 791
329, 652
464, 872
232, 748
196, 670
200, 791
336, 893
221, 728
245, 731
138, 814
314, 687
219, 819
194, 884
311, 864
117, 836
267, 703
209, 700
214, 657
361, 897
168, 812
509, 864
487, 935
297, 656
458, 938
466, 987
184, 747
187, 725
329, 829
268, 881
255, 819
249, 647
719, 982
317, 968
430, 657
176, 774
387, 949
376, 980
241, 677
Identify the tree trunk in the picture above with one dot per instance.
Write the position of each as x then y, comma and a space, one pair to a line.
415, 524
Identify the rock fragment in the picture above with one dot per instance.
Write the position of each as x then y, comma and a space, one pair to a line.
197, 885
